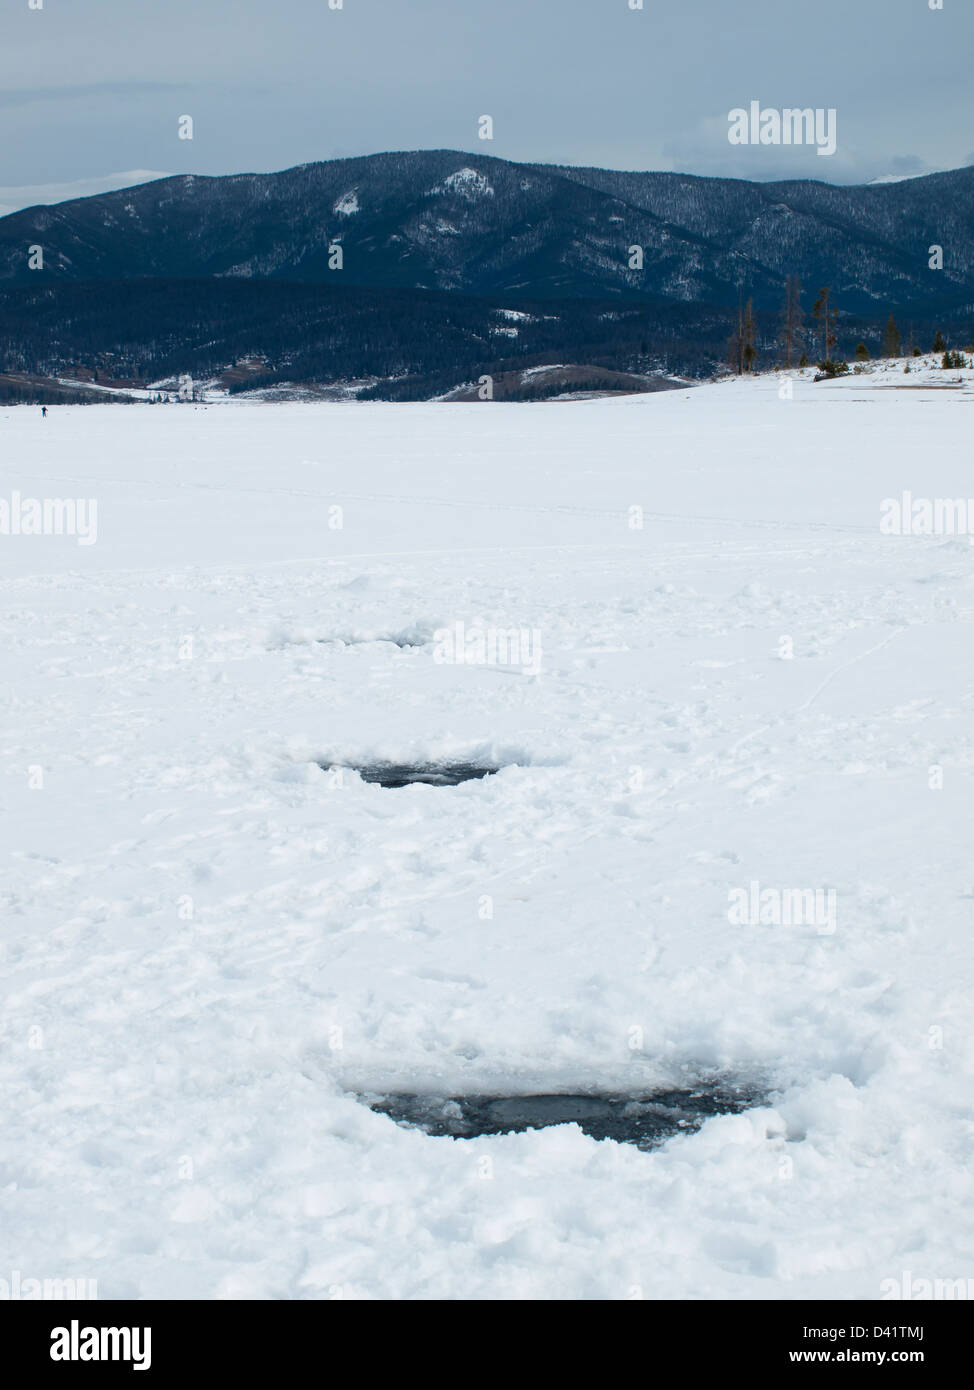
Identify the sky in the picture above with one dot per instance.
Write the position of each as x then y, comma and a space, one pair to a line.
94, 89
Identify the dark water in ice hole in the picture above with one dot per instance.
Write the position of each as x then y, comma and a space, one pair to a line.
433, 774
646, 1120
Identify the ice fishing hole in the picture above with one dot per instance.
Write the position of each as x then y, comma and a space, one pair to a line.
407, 774
646, 1120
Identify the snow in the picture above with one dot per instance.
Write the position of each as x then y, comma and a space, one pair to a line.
903, 178
468, 183
209, 944
348, 204
529, 372
133, 392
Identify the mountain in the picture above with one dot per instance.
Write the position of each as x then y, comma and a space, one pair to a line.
397, 344
456, 266
13, 198
452, 221
871, 243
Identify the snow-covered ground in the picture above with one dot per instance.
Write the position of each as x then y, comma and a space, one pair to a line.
209, 944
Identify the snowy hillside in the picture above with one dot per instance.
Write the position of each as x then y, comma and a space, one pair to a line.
449, 220
214, 946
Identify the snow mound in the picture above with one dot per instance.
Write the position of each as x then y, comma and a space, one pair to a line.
467, 183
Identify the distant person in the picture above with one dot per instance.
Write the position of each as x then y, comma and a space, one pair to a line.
44, 411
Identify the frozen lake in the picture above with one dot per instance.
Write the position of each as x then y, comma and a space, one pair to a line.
729, 832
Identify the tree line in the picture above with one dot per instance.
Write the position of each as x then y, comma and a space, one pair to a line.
796, 339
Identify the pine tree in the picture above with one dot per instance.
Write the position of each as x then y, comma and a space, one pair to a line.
737, 344
891, 339
862, 352
750, 333
792, 318
826, 316
939, 345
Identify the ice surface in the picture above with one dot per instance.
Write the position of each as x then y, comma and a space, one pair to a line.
208, 948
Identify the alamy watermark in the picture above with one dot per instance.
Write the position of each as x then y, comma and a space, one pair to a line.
518, 647
755, 906
757, 125
907, 515
50, 516
77, 1343
910, 1289
21, 1289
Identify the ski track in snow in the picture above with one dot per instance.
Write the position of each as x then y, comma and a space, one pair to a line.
207, 947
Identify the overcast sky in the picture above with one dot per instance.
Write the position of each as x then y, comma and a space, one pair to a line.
92, 87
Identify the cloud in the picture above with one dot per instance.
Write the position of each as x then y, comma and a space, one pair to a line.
568, 81
30, 96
